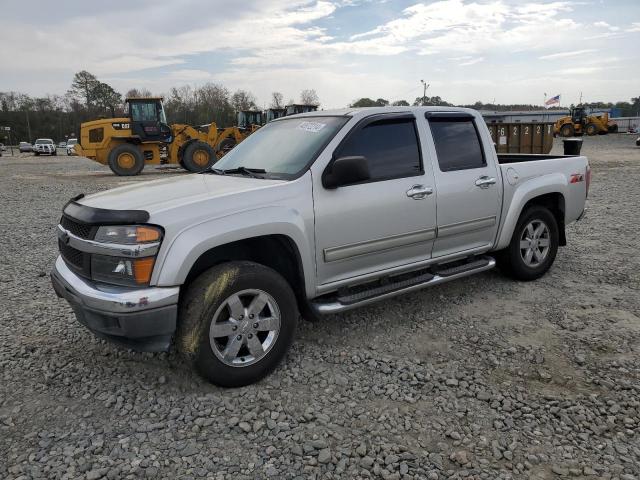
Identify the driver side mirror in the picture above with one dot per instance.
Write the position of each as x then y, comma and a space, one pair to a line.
346, 171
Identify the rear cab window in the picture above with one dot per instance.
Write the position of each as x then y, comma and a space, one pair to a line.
457, 142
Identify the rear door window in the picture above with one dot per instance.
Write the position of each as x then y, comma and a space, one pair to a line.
457, 143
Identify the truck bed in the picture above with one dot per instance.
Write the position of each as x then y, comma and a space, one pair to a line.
527, 157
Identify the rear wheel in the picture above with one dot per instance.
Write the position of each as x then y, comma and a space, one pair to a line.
591, 129
198, 156
126, 160
533, 246
225, 146
237, 321
567, 130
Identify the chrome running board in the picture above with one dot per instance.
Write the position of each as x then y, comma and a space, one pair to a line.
340, 303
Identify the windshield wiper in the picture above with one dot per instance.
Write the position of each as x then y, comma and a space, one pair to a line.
251, 172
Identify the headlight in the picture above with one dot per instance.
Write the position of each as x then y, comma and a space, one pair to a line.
128, 234
131, 272
126, 271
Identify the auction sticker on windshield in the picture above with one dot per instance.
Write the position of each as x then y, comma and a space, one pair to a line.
311, 126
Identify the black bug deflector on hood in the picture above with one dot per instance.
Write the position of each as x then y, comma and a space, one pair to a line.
103, 216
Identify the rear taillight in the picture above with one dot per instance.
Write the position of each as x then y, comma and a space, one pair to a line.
587, 179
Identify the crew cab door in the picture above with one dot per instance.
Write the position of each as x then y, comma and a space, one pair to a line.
386, 221
469, 184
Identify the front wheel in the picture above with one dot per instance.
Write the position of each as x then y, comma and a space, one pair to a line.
198, 156
237, 321
533, 246
591, 129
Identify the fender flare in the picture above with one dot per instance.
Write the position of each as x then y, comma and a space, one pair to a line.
524, 193
178, 257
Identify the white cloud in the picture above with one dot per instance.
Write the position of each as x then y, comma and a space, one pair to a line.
287, 45
574, 53
473, 61
602, 24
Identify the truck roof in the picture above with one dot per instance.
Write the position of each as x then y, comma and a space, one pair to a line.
365, 111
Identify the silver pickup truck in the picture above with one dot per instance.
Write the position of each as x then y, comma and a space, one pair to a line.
316, 213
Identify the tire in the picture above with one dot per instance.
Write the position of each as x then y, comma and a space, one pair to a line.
55, 154
567, 130
126, 160
36, 154
612, 128
198, 156
208, 301
591, 129
512, 260
224, 146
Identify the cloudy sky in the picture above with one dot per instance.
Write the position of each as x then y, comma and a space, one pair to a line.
512, 51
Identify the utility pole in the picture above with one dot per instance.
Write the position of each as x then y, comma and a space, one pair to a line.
424, 92
26, 112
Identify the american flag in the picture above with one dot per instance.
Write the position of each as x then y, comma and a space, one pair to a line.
552, 101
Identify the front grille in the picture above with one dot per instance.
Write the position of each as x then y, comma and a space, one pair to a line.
79, 261
71, 255
81, 230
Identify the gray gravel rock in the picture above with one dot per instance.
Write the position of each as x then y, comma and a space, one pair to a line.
481, 378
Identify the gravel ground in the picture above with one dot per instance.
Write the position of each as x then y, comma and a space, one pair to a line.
479, 378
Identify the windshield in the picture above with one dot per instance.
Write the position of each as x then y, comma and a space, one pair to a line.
283, 148
43, 140
72, 141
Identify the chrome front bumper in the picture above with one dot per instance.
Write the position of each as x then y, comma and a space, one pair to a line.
142, 319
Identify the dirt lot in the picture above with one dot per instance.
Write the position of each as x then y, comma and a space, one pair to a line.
480, 378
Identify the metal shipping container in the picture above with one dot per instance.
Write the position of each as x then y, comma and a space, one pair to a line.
522, 137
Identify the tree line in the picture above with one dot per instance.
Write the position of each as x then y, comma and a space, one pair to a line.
627, 109
88, 98
59, 116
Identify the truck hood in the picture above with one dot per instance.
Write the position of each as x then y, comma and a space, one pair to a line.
159, 195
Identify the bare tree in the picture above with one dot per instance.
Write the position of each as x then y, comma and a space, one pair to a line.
139, 93
309, 97
243, 100
83, 86
277, 100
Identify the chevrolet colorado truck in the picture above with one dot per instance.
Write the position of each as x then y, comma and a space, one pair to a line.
316, 213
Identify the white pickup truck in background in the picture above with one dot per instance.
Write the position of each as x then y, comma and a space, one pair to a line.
44, 146
316, 213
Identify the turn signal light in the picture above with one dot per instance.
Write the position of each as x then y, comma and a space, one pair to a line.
147, 234
142, 268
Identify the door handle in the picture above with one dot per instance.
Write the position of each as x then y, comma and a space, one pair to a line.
485, 181
419, 192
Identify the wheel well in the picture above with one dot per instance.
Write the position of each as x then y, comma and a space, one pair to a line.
278, 252
555, 203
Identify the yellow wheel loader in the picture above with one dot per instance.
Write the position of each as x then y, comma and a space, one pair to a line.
578, 122
143, 137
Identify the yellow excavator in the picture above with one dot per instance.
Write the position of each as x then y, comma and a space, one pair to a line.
578, 122
127, 144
